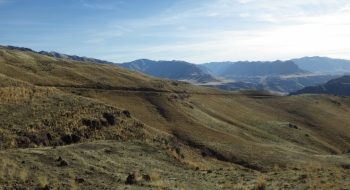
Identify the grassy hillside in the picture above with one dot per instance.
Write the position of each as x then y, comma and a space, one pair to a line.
49, 102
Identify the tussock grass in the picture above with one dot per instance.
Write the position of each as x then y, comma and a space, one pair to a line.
155, 176
261, 183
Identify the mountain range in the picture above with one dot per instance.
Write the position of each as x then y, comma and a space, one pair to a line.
281, 77
316, 64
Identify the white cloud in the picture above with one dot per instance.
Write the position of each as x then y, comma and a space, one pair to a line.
244, 15
267, 18
125, 29
345, 8
244, 1
213, 14
100, 6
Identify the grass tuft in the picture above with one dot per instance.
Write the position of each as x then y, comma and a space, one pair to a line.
261, 183
155, 176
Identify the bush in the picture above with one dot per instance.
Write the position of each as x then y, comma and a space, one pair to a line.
261, 183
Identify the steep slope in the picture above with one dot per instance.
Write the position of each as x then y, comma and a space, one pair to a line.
217, 67
178, 70
337, 86
324, 65
205, 70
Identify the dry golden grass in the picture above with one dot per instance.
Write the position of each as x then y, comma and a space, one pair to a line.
101, 169
196, 127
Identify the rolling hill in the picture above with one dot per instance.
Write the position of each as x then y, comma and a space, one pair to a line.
105, 122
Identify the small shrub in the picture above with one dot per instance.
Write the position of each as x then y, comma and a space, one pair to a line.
276, 168
154, 176
136, 175
42, 181
23, 175
261, 183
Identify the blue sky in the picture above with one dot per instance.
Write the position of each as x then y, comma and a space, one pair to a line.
196, 31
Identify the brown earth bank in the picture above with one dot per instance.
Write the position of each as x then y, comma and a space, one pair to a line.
74, 107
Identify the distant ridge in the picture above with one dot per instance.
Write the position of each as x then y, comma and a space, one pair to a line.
253, 68
60, 55
338, 86
262, 69
18, 48
177, 70
73, 57
324, 65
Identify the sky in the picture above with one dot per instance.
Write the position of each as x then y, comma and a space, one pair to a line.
196, 31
